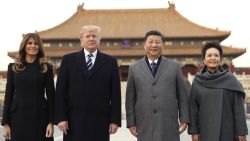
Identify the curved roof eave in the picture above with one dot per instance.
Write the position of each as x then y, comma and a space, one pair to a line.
127, 23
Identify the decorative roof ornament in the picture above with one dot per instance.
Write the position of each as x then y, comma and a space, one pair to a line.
173, 24
171, 5
80, 6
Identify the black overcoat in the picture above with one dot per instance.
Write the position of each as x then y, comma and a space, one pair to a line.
88, 100
26, 107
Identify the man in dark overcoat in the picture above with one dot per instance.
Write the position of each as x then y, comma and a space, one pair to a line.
88, 95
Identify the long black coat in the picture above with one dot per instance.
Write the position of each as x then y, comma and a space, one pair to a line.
26, 107
89, 101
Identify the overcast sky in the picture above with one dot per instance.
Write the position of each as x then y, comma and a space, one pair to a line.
22, 16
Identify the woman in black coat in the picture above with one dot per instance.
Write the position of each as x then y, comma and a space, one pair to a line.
216, 101
28, 111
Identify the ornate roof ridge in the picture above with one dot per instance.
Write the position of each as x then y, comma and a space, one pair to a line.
132, 23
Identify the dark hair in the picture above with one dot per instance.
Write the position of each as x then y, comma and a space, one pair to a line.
153, 32
211, 44
18, 66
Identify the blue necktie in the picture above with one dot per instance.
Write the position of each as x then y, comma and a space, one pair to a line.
153, 68
89, 61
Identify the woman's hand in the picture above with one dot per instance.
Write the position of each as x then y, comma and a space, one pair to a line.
6, 132
49, 130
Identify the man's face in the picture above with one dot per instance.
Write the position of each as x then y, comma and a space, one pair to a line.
90, 40
153, 46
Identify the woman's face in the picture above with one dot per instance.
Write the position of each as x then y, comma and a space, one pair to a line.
31, 47
212, 59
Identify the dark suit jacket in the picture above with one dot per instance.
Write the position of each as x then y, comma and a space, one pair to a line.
89, 101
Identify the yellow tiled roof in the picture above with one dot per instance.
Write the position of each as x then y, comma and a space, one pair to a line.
132, 24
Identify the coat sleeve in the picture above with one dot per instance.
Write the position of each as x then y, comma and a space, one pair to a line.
50, 92
193, 127
182, 97
130, 100
9, 95
61, 93
239, 115
115, 116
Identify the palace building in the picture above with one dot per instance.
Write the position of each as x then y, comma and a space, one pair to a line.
123, 31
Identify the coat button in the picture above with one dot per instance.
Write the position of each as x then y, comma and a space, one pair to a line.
155, 111
154, 97
153, 83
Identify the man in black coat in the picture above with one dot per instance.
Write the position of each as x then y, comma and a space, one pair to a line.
88, 95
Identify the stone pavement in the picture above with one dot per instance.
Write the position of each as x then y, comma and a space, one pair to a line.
122, 134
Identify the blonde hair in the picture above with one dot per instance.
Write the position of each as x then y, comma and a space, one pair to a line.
90, 27
18, 65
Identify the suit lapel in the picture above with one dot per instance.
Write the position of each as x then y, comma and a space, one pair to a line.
145, 69
100, 60
162, 68
81, 63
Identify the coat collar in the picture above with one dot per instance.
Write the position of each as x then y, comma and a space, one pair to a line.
147, 72
162, 67
220, 80
145, 69
81, 63
100, 60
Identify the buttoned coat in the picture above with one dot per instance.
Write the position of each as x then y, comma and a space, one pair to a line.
29, 102
88, 100
216, 106
154, 104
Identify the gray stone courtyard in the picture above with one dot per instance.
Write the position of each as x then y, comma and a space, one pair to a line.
123, 133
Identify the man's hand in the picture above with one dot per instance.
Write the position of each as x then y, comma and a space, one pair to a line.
113, 128
195, 137
182, 127
133, 130
63, 126
49, 130
241, 138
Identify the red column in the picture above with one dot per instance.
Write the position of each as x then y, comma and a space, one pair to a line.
231, 68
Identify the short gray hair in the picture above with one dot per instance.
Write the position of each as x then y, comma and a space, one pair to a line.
90, 27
